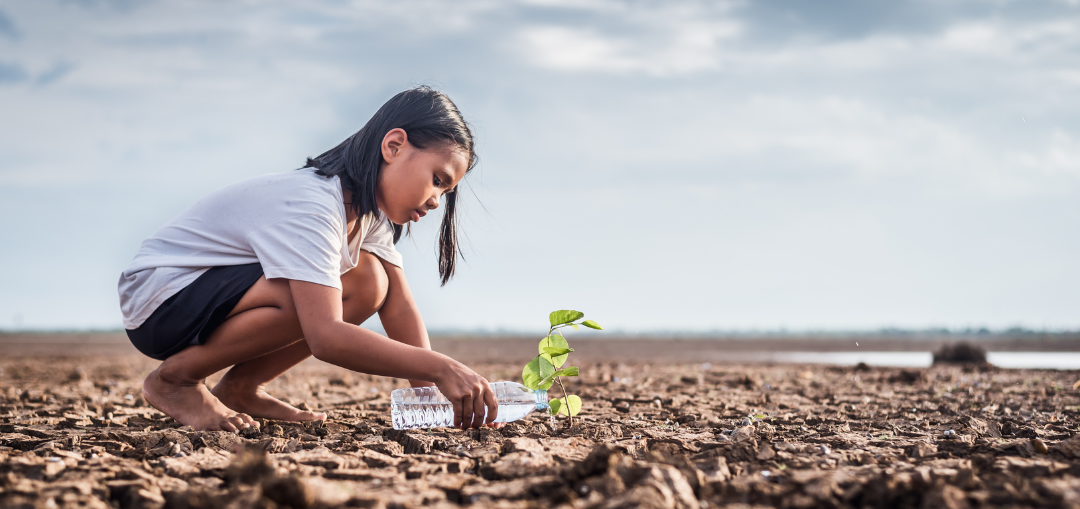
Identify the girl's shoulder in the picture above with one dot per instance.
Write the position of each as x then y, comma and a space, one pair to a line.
284, 194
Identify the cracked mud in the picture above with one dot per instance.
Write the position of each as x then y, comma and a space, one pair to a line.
78, 434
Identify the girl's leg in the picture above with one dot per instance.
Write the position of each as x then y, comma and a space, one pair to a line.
264, 321
243, 387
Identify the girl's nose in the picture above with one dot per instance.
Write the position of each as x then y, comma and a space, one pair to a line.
433, 202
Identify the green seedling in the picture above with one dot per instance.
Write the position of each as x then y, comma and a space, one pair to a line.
546, 369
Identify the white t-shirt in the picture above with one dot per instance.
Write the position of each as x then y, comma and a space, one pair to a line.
292, 223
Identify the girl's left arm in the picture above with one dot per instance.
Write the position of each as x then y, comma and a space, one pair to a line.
399, 315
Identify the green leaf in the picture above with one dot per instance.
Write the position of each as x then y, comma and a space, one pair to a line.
564, 316
535, 372
574, 325
554, 406
554, 341
592, 325
569, 405
571, 371
555, 352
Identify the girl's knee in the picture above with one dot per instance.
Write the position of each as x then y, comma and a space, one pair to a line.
364, 288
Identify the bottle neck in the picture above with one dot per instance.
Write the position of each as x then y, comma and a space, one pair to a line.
541, 399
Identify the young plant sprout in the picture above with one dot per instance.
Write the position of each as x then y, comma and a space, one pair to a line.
546, 369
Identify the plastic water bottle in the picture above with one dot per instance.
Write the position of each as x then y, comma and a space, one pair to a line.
426, 407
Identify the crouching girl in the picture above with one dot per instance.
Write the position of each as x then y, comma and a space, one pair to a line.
264, 273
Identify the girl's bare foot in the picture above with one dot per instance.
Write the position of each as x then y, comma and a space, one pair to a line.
191, 403
256, 402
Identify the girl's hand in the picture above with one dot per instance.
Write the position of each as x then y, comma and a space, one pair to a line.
469, 393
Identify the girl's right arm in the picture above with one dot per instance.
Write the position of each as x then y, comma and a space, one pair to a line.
333, 340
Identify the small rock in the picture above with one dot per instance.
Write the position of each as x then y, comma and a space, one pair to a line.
960, 353
746, 422
949, 433
825, 449
1039, 446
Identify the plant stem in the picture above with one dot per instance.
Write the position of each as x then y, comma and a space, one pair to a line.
558, 379
566, 399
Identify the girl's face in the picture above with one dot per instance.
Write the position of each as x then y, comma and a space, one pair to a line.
411, 180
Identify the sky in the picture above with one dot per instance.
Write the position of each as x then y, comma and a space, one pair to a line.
661, 166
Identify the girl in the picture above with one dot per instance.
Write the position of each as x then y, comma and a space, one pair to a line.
268, 271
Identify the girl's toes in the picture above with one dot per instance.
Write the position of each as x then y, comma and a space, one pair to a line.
237, 422
321, 416
226, 425
248, 421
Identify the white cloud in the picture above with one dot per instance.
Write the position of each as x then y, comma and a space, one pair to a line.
665, 41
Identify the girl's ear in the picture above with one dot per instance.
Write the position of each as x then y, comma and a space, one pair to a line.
393, 143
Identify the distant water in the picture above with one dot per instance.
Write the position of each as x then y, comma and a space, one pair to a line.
1026, 360
1047, 360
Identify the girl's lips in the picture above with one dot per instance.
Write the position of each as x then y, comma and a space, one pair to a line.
416, 215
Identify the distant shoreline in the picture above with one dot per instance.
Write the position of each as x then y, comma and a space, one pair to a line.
601, 347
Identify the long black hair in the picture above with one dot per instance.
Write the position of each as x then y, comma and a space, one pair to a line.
428, 118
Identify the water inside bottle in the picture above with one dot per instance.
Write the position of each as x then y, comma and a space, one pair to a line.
426, 408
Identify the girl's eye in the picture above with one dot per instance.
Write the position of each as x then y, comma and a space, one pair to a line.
437, 181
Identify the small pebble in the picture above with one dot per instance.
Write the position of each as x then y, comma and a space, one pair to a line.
54, 459
825, 449
746, 421
949, 433
128, 397
1040, 446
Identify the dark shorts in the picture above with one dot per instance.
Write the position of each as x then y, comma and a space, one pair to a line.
190, 316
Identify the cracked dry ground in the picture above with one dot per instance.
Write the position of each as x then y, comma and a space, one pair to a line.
78, 434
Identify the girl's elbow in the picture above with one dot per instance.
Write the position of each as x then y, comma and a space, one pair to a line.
321, 347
